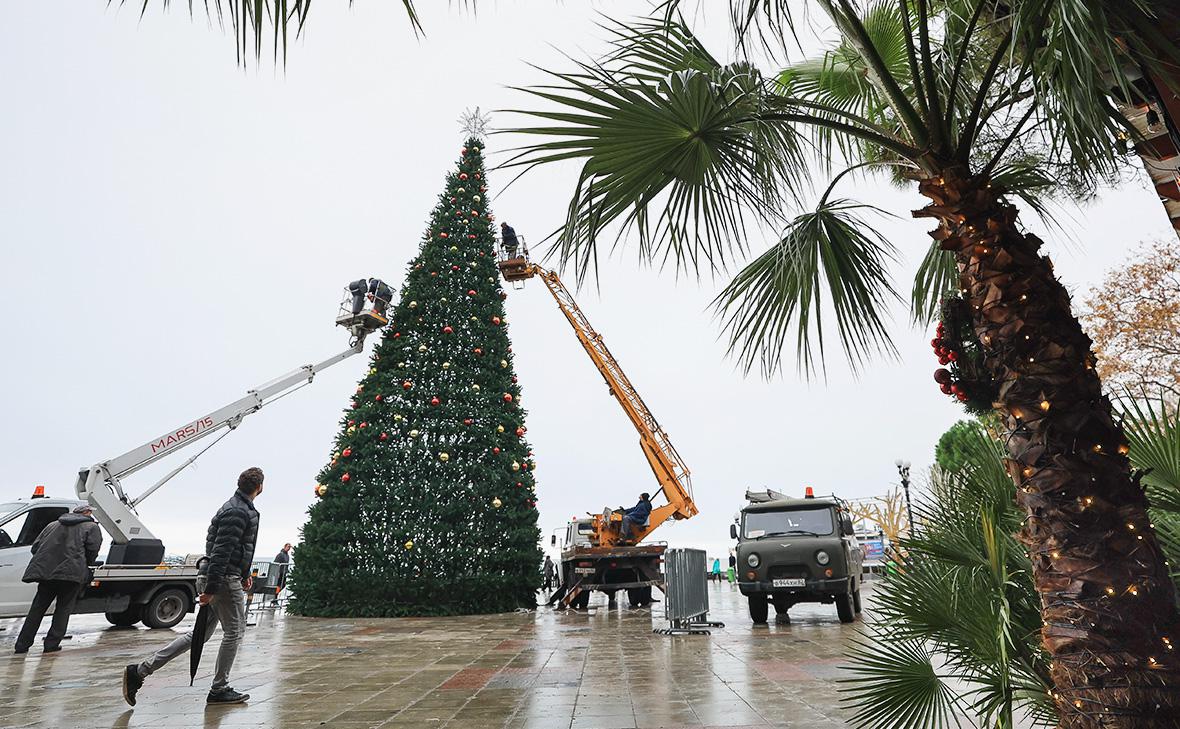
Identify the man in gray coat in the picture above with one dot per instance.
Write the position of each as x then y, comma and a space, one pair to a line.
62, 555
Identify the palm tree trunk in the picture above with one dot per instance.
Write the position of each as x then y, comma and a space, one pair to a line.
1109, 609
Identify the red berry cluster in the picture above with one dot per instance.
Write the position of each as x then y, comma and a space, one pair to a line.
944, 377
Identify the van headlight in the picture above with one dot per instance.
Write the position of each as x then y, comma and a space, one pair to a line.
822, 557
753, 560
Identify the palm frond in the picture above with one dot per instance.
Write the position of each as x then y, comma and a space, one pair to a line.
1153, 435
830, 249
895, 685
937, 277
253, 21
683, 162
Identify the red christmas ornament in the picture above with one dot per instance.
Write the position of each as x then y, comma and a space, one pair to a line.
346, 478
477, 175
385, 436
946, 389
471, 292
377, 398
447, 330
454, 267
514, 379
475, 213
352, 422
943, 360
941, 376
955, 389
346, 452
452, 199
468, 421
472, 237
519, 432
462, 175
396, 335
524, 466
962, 396
936, 343
478, 352
496, 320
952, 356
519, 485
363, 425
496, 451
405, 386
507, 397
463, 151
443, 234
434, 401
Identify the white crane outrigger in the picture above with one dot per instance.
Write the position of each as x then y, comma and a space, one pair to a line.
101, 484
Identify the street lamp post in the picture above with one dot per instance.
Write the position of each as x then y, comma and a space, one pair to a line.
903, 470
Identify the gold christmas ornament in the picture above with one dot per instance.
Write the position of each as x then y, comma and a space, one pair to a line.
397, 417
446, 365
444, 457
499, 428
475, 387
413, 304
409, 544
321, 489
515, 466
496, 503
351, 429
372, 370
421, 347
401, 364
503, 363
454, 248
413, 433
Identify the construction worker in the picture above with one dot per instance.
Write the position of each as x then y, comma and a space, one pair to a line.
550, 571
636, 516
62, 555
508, 240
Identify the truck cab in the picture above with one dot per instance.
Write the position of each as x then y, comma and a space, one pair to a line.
797, 550
20, 523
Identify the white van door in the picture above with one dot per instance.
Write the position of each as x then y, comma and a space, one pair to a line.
17, 534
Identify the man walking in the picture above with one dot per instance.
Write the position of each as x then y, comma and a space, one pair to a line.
62, 555
223, 580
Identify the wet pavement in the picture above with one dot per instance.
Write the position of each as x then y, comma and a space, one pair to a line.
602, 669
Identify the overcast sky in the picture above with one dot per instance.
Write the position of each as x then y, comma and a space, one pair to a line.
176, 230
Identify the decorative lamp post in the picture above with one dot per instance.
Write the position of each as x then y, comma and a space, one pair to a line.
903, 470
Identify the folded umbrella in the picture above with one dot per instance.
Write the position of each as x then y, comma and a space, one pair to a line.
200, 633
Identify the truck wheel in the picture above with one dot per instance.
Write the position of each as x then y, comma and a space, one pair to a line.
166, 608
125, 619
758, 609
856, 601
844, 608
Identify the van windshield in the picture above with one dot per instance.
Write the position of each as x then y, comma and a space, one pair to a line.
808, 522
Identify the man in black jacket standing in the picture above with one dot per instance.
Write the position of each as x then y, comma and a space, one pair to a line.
223, 582
62, 555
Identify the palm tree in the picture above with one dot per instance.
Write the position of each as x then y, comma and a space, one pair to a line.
978, 103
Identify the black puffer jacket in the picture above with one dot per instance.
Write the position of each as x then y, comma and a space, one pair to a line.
229, 543
64, 550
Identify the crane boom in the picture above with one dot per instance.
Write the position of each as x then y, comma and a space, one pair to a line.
101, 485
666, 464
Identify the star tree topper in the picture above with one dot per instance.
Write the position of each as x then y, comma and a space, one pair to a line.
474, 123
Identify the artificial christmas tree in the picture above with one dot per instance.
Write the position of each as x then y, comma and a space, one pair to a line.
427, 505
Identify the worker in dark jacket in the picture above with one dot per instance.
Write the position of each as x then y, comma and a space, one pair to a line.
223, 582
62, 555
283, 560
635, 516
508, 240
549, 570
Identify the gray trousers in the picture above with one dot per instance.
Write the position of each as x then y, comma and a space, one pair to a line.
228, 609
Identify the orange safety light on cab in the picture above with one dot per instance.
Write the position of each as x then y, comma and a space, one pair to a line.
808, 493
39, 492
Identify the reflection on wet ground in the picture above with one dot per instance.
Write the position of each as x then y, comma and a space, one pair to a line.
602, 669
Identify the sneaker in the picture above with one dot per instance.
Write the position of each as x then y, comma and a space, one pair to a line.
226, 696
132, 682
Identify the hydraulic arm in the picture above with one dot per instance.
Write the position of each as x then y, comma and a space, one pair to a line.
667, 465
101, 484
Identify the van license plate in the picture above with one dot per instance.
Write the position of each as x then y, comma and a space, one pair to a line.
584, 570
792, 582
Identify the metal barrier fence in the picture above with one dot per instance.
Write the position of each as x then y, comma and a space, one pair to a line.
686, 593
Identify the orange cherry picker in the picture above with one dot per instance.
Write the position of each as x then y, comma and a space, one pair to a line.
595, 555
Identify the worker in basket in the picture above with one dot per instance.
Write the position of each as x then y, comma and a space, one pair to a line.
377, 290
635, 516
508, 240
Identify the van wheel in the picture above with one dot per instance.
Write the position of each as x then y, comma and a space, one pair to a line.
758, 608
166, 608
125, 619
856, 601
844, 608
